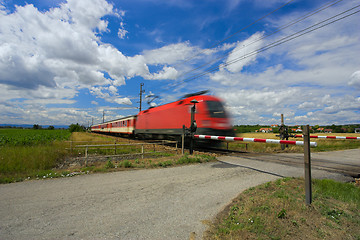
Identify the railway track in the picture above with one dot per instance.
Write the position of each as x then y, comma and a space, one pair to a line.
318, 161
291, 159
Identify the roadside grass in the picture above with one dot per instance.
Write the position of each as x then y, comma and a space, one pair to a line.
322, 144
277, 210
159, 162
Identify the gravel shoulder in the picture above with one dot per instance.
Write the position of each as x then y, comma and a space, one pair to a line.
167, 203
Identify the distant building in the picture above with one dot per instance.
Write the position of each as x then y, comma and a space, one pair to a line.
265, 130
320, 129
328, 130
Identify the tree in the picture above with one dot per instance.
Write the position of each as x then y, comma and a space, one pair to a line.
51, 127
76, 128
36, 126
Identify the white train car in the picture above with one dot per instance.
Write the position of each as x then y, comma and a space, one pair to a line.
121, 126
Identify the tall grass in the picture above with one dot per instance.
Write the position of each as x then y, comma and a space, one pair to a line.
18, 162
340, 191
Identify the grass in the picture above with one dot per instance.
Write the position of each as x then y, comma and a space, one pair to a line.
20, 162
31, 137
39, 161
277, 210
162, 162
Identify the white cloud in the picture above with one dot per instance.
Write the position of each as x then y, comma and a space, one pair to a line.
170, 54
122, 31
166, 73
355, 80
122, 101
243, 54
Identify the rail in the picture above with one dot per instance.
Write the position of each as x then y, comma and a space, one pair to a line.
307, 157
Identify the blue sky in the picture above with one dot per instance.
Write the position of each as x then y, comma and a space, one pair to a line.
64, 62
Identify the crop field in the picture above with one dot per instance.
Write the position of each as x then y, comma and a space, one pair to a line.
28, 152
30, 137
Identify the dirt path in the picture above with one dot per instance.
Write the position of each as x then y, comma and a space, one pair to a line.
168, 203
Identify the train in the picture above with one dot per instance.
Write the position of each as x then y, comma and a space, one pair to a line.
167, 121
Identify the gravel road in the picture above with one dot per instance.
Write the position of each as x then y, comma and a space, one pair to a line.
168, 203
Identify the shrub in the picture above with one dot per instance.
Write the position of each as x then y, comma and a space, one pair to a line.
109, 164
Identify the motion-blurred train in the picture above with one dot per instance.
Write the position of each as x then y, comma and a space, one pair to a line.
166, 121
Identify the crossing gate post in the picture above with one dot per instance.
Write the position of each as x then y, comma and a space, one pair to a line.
183, 140
307, 165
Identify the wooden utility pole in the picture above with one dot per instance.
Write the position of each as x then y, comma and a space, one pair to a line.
307, 164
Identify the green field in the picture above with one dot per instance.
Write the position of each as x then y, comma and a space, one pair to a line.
29, 152
30, 137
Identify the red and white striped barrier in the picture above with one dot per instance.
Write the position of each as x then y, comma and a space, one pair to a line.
231, 139
331, 137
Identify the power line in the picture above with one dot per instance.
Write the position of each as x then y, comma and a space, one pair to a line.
237, 32
316, 11
276, 43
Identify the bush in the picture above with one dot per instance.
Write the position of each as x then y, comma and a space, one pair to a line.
125, 164
109, 164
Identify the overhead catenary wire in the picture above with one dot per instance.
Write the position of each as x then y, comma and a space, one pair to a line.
274, 44
237, 32
299, 19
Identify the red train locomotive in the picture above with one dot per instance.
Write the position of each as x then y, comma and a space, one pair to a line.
166, 121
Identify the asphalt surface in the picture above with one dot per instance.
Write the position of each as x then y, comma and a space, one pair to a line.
168, 203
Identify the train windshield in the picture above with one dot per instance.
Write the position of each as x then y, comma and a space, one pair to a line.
216, 109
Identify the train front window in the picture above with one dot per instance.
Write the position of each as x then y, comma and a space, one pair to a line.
216, 109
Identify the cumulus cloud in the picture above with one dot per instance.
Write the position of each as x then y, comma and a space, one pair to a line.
52, 47
61, 48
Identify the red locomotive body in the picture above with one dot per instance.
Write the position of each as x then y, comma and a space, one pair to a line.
167, 120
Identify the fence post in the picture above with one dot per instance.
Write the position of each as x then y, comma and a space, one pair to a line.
142, 151
86, 156
307, 164
115, 148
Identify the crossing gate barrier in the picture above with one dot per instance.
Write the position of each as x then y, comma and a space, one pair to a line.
231, 139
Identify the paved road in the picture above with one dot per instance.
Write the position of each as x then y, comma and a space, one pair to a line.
168, 203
